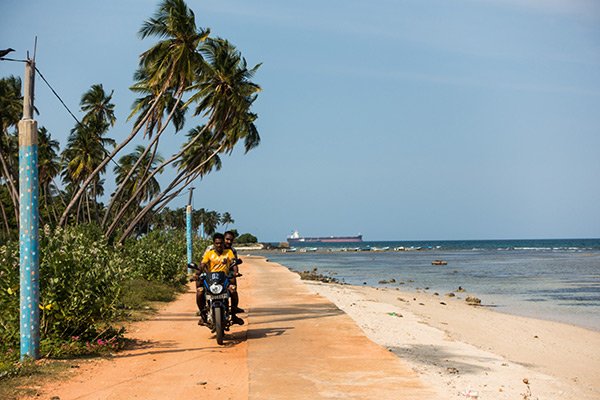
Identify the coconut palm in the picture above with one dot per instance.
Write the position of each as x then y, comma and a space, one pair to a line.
87, 148
224, 94
127, 166
226, 219
167, 107
49, 167
169, 66
98, 107
11, 109
166, 70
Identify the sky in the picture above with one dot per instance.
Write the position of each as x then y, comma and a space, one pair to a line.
399, 120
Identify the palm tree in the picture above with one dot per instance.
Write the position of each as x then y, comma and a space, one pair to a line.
169, 66
98, 107
166, 70
224, 94
130, 166
49, 166
86, 146
226, 219
146, 105
11, 109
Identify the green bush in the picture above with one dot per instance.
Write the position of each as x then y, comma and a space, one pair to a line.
86, 283
160, 256
79, 286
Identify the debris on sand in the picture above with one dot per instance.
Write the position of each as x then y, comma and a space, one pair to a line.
315, 276
473, 301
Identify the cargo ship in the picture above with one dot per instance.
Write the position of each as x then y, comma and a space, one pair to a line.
295, 238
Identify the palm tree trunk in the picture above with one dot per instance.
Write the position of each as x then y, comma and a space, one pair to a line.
78, 210
100, 166
6, 226
134, 196
87, 203
95, 205
12, 190
183, 176
119, 190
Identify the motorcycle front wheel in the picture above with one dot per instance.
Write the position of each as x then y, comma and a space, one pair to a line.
219, 329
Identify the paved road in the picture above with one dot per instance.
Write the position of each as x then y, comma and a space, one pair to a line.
295, 345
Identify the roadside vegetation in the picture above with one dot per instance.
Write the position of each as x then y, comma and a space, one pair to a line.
89, 288
106, 258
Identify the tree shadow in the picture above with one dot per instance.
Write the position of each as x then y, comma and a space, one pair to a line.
295, 312
438, 356
263, 333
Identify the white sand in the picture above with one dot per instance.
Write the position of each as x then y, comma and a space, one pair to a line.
456, 347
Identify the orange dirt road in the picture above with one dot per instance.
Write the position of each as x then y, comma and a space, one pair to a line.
294, 345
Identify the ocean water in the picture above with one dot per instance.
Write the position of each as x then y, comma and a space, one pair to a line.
557, 280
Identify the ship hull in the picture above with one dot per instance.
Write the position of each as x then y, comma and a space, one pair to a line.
328, 239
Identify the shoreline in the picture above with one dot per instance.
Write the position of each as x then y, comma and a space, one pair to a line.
456, 348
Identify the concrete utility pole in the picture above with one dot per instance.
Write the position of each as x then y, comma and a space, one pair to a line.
188, 220
29, 222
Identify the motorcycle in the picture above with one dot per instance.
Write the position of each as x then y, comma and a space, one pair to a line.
217, 308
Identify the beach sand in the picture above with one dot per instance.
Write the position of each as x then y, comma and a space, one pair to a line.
456, 348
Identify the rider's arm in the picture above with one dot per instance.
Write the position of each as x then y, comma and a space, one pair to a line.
203, 268
204, 264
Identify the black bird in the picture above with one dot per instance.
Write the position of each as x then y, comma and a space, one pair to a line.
5, 52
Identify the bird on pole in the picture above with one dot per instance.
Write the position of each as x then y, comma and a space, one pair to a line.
5, 52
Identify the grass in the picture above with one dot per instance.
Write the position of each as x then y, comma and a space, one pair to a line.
23, 379
139, 297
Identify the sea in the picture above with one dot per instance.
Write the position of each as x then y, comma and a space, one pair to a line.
556, 279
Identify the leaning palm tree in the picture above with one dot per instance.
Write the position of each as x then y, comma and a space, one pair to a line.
153, 124
224, 93
130, 166
169, 66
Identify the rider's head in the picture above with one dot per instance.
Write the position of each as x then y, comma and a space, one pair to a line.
218, 240
229, 237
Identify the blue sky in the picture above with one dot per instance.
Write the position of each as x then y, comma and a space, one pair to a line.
414, 119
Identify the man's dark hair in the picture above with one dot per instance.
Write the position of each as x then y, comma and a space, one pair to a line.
218, 236
230, 233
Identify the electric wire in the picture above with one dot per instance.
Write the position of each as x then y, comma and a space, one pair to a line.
68, 110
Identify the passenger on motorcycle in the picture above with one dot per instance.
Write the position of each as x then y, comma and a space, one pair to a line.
229, 238
215, 260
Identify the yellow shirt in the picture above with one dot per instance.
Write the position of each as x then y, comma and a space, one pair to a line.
218, 263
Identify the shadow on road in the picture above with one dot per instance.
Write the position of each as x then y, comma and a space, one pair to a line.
294, 313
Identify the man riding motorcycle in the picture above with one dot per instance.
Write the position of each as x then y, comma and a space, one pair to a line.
217, 259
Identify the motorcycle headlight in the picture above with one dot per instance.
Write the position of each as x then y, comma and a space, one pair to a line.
216, 288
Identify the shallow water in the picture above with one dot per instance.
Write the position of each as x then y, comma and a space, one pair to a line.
554, 280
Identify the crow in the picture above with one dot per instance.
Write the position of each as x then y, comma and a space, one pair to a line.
5, 52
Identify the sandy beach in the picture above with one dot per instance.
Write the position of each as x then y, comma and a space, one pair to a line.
461, 350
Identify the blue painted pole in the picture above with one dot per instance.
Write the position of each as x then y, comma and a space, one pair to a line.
29, 223
188, 221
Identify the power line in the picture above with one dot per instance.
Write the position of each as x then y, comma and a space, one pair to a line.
67, 108
58, 97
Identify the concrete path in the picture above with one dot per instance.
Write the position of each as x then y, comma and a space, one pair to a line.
301, 346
